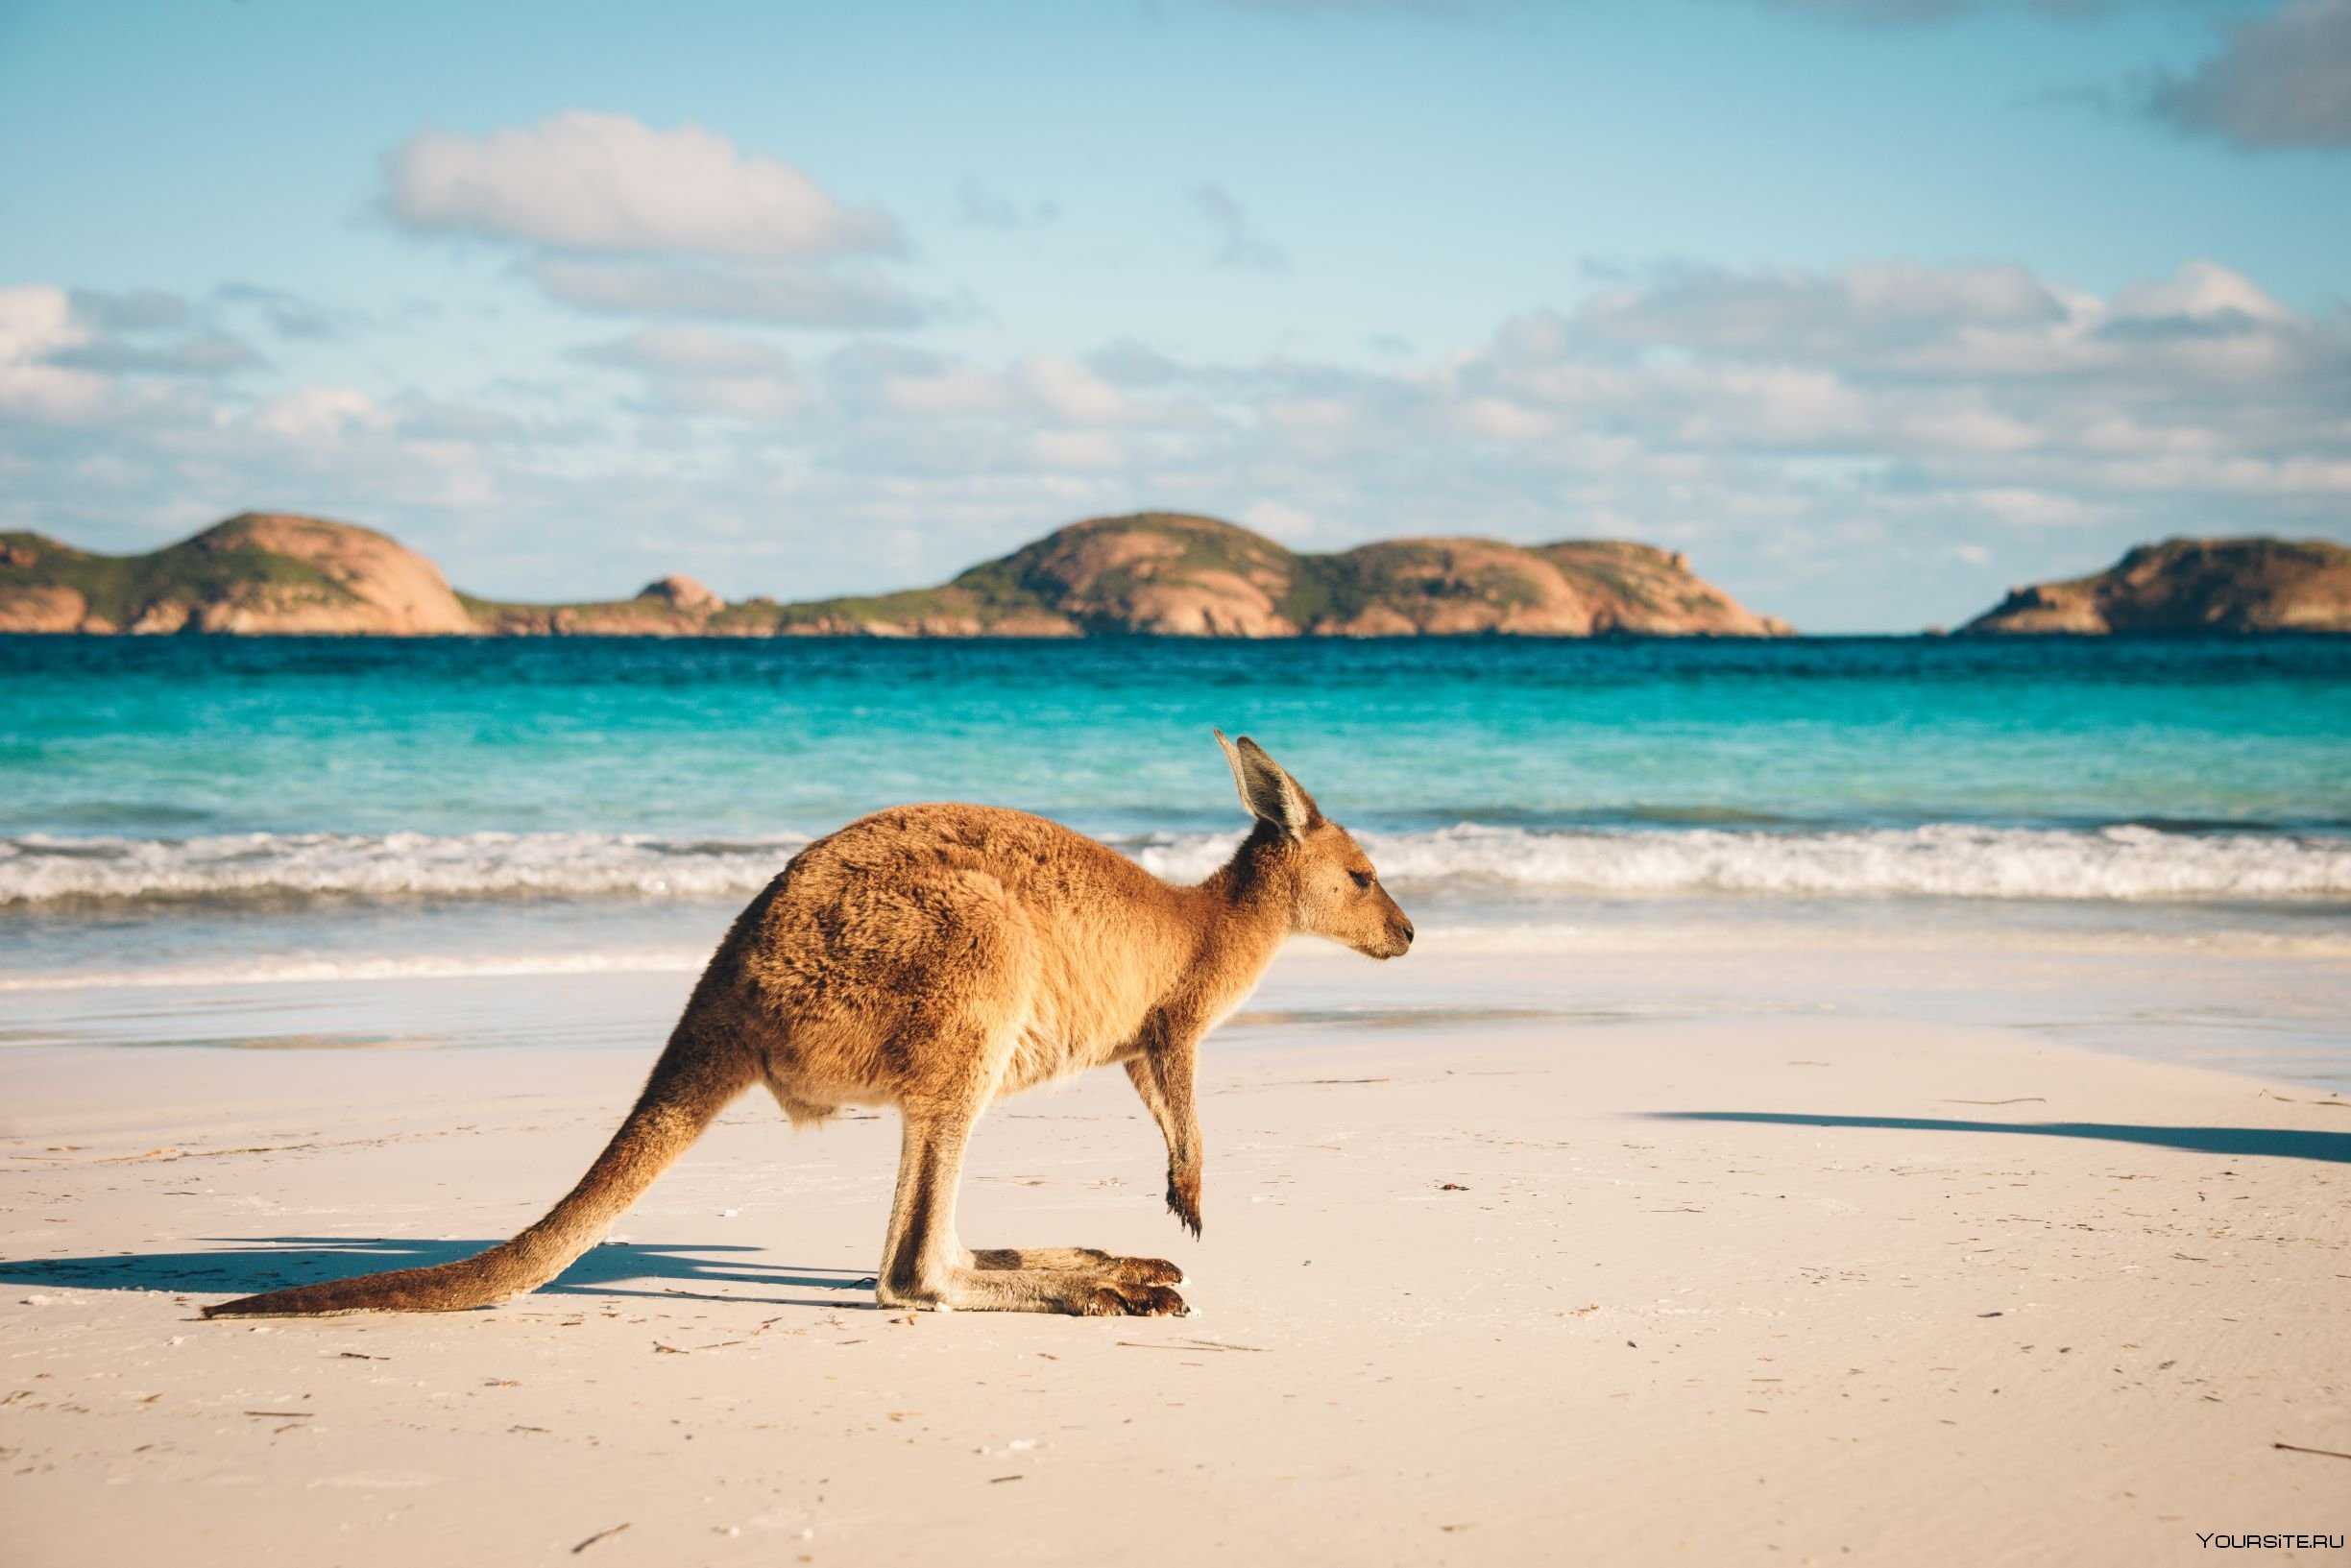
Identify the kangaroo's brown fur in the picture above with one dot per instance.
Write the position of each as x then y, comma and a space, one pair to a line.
933, 957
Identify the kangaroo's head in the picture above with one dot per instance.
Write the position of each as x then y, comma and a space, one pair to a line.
1332, 887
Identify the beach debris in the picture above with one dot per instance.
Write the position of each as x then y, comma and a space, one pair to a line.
1452, 1187
286, 1415
1990, 1315
728, 1214
599, 1535
2323, 1453
2021, 1099
998, 1481
659, 1349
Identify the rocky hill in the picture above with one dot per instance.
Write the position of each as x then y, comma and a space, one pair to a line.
257, 572
1158, 573
2181, 586
1148, 574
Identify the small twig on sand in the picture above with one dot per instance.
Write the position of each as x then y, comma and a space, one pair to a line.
2021, 1099
2328, 1453
601, 1535
2328, 1104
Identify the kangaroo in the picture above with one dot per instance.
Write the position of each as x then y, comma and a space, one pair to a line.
934, 957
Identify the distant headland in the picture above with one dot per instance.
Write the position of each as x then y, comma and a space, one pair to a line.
1152, 574
2189, 586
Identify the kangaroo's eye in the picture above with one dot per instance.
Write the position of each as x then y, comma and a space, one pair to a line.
1363, 879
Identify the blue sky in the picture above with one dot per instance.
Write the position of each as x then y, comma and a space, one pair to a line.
1874, 307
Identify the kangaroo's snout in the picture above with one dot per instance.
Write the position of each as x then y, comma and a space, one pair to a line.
1399, 938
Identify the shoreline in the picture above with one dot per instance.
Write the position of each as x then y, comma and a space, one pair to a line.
2264, 1004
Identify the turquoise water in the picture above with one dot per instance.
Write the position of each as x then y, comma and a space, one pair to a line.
220, 796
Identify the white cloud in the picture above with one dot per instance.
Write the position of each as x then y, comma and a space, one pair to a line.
583, 182
1871, 309
315, 412
1077, 448
963, 389
1072, 391
1279, 520
2199, 291
688, 349
36, 320
697, 371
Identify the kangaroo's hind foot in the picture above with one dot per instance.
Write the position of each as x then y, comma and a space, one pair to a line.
1123, 1270
1078, 1292
924, 1265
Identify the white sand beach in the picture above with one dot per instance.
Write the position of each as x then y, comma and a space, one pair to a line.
1771, 1267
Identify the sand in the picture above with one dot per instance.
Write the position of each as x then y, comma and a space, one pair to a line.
1775, 1269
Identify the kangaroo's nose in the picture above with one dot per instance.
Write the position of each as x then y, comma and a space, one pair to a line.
1408, 932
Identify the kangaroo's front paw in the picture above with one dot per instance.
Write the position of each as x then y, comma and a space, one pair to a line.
1183, 1196
1131, 1301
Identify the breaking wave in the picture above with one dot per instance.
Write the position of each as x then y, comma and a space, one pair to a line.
2132, 862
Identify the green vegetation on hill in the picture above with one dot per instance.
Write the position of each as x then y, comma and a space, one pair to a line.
116, 588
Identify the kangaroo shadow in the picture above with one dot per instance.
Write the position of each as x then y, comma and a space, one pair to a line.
246, 1266
2261, 1143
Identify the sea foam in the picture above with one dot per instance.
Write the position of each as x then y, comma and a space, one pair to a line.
1943, 859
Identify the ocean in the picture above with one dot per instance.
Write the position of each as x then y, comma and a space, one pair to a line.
190, 810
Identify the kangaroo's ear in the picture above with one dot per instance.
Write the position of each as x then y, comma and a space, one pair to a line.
1270, 794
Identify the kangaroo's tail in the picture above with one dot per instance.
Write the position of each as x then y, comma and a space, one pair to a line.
689, 1086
